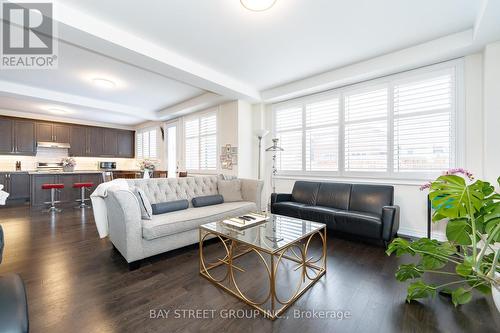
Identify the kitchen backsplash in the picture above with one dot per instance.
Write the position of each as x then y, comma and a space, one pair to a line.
8, 162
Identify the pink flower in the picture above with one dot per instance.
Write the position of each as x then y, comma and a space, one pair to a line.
462, 171
425, 186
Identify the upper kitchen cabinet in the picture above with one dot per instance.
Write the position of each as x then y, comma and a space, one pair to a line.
52, 132
110, 147
95, 141
78, 141
17, 136
126, 144
24, 137
61, 133
6, 136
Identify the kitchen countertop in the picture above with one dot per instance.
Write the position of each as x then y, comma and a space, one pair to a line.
76, 172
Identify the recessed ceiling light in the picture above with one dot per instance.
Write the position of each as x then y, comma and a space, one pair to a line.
257, 5
103, 83
58, 111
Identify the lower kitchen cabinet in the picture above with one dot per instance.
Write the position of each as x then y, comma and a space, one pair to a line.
66, 195
39, 196
17, 184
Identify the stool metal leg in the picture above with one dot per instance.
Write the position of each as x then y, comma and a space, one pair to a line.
82, 199
52, 208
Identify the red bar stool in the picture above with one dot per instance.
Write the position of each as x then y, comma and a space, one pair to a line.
53, 188
83, 187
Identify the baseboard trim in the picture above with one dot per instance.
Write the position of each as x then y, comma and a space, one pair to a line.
415, 233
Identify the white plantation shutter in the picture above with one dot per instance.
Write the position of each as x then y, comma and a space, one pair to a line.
401, 126
147, 144
208, 142
423, 124
322, 134
365, 138
201, 142
139, 150
289, 132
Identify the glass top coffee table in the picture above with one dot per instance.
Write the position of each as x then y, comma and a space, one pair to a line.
283, 246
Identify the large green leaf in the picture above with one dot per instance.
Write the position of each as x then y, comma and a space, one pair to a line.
409, 271
433, 261
464, 269
419, 289
461, 296
400, 246
459, 231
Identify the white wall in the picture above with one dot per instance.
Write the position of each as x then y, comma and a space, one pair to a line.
492, 112
412, 201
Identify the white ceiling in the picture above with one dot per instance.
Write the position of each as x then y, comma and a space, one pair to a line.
177, 56
35, 107
296, 38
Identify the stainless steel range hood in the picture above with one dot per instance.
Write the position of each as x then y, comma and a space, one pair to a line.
46, 144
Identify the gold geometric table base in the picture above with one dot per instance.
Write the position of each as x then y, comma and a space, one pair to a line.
299, 255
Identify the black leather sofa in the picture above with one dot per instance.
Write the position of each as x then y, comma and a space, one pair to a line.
13, 303
359, 209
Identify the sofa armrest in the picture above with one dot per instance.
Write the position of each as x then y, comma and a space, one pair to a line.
280, 197
124, 221
251, 190
390, 222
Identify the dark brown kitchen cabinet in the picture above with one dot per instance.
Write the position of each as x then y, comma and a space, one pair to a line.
126, 140
78, 141
44, 132
68, 193
110, 147
61, 133
95, 141
19, 186
19, 136
6, 136
24, 137
39, 196
52, 132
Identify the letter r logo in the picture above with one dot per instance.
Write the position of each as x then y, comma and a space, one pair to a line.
27, 28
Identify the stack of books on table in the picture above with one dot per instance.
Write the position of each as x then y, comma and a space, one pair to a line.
246, 221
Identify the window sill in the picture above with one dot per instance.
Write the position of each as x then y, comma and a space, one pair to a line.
361, 180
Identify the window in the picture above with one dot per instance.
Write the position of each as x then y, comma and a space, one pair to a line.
397, 126
365, 142
309, 130
200, 140
423, 124
147, 144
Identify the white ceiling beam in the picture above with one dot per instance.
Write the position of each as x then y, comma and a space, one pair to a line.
198, 103
437, 50
89, 32
54, 97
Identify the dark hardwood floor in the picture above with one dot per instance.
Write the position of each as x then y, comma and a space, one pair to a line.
76, 282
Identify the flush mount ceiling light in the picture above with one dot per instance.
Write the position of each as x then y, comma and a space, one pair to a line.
58, 111
103, 83
257, 5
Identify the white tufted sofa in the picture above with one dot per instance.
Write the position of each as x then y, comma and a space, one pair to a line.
137, 239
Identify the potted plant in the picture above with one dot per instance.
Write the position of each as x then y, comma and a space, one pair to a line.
471, 211
147, 166
68, 164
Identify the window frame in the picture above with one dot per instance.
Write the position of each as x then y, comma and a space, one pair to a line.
457, 129
140, 132
198, 116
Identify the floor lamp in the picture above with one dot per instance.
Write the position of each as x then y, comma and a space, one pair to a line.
260, 135
274, 149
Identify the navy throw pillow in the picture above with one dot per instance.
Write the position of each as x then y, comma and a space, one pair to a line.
169, 206
208, 200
